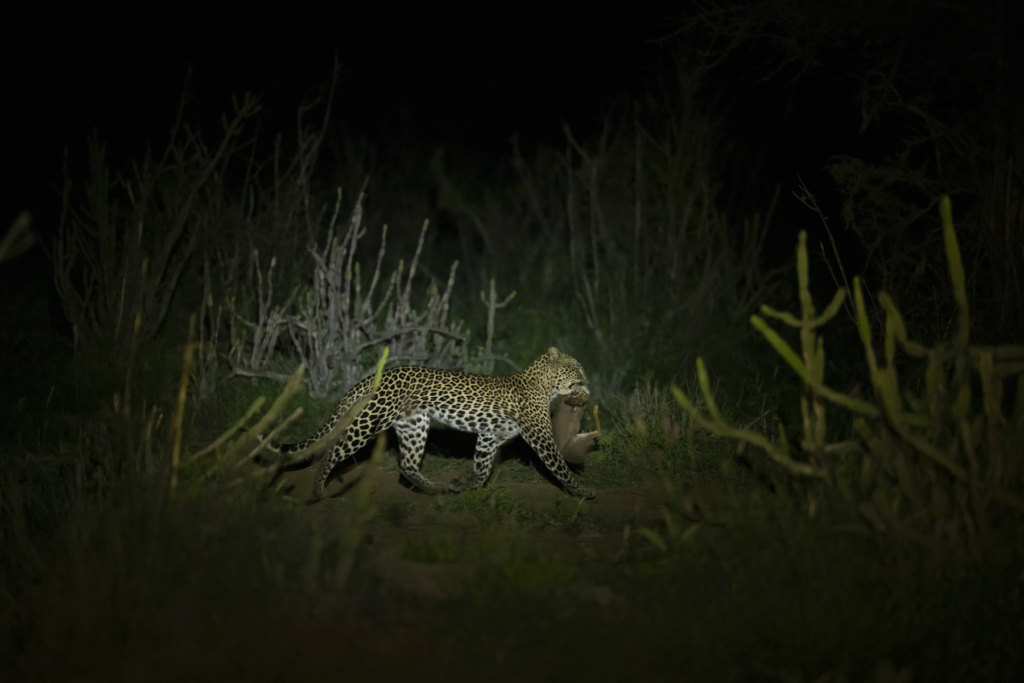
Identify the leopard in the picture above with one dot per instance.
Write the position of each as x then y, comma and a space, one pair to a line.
496, 409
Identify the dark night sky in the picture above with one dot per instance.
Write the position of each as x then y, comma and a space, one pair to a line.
470, 74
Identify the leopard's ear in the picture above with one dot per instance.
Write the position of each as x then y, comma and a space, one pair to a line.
554, 354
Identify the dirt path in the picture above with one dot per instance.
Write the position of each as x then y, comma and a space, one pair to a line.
537, 513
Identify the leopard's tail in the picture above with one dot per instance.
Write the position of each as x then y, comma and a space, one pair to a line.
355, 394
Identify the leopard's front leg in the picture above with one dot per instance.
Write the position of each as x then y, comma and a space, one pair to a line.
536, 430
483, 464
487, 443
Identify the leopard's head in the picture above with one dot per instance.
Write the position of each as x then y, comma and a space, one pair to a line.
567, 377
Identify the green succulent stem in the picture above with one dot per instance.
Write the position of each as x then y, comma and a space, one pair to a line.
942, 439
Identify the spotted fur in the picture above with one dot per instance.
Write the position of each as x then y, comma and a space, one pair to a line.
496, 409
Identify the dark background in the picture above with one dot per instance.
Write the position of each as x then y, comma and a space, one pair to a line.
469, 74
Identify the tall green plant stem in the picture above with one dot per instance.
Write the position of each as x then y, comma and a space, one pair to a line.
962, 449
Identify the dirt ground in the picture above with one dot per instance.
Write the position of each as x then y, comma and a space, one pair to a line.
597, 537
519, 581
408, 619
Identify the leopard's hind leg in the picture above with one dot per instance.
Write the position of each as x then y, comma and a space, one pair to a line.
412, 438
363, 428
